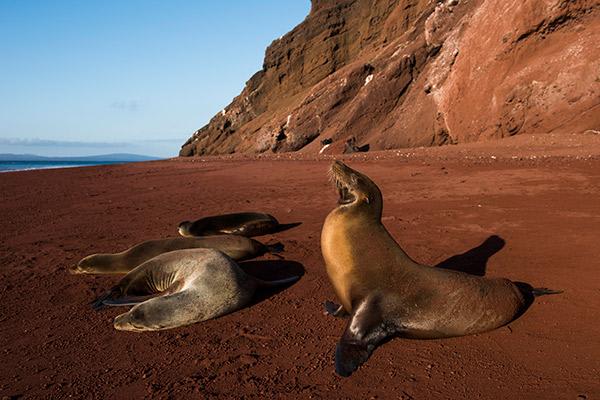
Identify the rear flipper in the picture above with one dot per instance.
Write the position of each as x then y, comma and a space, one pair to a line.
280, 282
530, 292
365, 330
544, 291
275, 248
335, 310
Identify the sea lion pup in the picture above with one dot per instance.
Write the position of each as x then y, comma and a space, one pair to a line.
245, 224
237, 247
193, 285
388, 294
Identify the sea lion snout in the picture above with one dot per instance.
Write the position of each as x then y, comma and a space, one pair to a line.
127, 322
184, 228
75, 269
82, 266
122, 323
354, 188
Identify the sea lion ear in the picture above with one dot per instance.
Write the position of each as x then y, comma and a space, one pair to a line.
367, 200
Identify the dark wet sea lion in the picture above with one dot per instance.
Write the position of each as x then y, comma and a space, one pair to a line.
388, 294
237, 247
184, 286
247, 224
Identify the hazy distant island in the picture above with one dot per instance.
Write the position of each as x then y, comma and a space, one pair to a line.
20, 162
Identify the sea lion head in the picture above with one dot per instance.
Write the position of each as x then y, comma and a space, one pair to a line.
184, 228
356, 191
87, 265
134, 320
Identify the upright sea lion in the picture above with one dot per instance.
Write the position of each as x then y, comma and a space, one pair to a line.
388, 294
236, 247
193, 285
245, 224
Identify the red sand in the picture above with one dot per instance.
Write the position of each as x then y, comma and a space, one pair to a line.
540, 197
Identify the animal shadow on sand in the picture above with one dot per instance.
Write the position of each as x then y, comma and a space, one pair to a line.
474, 261
284, 227
271, 270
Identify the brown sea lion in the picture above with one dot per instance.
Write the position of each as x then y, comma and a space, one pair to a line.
247, 224
180, 288
388, 294
237, 247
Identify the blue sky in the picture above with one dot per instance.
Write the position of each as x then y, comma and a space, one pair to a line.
94, 77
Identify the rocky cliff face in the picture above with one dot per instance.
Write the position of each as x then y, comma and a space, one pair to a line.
392, 74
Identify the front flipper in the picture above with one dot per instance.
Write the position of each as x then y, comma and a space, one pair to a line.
335, 310
114, 297
365, 330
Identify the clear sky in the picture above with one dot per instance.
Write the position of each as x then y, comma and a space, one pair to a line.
95, 77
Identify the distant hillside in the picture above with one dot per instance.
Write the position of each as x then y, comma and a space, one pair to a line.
116, 157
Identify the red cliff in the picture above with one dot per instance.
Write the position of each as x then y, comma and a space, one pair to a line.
392, 74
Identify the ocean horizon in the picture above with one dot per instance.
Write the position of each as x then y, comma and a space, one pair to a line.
24, 165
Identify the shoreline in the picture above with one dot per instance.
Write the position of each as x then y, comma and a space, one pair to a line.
74, 165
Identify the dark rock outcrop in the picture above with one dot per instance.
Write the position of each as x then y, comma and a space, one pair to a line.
409, 73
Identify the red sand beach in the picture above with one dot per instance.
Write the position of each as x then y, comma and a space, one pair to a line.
525, 208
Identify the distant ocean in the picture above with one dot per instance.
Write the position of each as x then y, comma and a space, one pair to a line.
8, 166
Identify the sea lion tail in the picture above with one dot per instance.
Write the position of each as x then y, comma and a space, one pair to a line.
544, 291
279, 282
275, 248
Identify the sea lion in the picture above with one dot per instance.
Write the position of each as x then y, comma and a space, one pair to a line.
247, 224
388, 294
237, 247
193, 285
351, 147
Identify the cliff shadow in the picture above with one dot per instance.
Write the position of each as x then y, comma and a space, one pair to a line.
272, 270
474, 261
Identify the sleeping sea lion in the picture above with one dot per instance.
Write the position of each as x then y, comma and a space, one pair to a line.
237, 247
180, 288
247, 224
